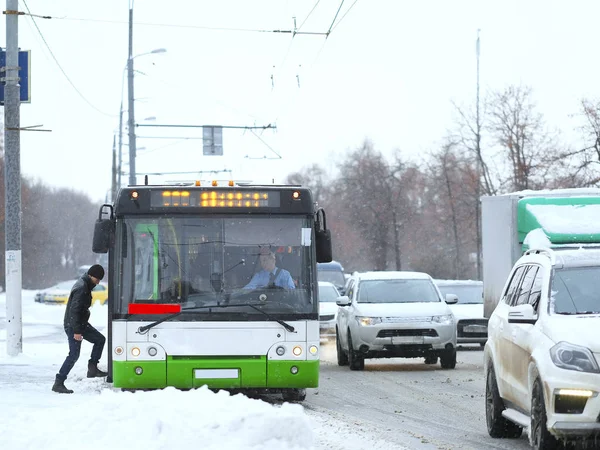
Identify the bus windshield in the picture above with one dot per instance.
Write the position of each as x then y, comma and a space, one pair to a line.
199, 261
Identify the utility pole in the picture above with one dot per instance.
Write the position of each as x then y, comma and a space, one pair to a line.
479, 166
113, 191
120, 159
131, 120
12, 180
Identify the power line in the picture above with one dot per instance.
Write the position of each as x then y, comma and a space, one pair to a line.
198, 27
58, 64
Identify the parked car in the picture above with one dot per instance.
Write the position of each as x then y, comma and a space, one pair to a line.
542, 355
332, 272
394, 314
59, 293
328, 295
471, 326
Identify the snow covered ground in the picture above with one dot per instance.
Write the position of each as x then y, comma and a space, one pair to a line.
97, 416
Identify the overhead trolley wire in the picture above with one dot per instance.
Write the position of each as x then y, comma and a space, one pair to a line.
342, 18
58, 64
198, 27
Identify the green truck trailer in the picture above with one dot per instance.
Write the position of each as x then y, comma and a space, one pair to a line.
513, 223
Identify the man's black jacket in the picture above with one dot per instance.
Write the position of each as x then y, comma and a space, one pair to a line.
77, 313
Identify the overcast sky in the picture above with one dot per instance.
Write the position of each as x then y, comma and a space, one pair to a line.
389, 71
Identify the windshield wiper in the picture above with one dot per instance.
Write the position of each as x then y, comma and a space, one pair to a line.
145, 328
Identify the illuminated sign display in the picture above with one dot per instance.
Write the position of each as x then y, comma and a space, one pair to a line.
215, 198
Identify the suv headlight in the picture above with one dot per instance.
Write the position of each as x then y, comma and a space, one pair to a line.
573, 357
444, 320
368, 321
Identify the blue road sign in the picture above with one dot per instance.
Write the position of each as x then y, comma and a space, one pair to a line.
24, 74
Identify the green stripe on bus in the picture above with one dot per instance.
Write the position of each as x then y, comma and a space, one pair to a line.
252, 373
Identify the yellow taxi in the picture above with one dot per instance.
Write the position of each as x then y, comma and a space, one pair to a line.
59, 294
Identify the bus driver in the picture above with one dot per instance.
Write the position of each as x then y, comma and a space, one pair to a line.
270, 275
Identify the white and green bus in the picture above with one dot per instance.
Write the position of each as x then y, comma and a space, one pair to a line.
189, 302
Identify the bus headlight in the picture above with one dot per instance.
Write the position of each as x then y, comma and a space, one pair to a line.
297, 351
280, 350
152, 351
135, 351
139, 370
118, 350
313, 350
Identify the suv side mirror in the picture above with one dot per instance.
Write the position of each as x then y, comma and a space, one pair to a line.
343, 300
451, 299
522, 314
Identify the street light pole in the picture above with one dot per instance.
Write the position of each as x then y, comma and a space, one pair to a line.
131, 119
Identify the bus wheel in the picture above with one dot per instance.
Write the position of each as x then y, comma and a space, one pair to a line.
294, 395
342, 358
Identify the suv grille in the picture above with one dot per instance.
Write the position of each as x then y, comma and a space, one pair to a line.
472, 328
422, 332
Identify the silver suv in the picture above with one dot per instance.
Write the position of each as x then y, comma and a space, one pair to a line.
394, 314
542, 357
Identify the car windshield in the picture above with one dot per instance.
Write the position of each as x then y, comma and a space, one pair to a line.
397, 291
467, 294
331, 276
575, 290
328, 294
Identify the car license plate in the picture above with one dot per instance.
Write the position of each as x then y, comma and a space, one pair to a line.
475, 329
400, 340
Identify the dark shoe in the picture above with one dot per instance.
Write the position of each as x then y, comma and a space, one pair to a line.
59, 386
94, 372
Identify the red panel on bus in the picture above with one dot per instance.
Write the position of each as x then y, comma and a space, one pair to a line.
154, 308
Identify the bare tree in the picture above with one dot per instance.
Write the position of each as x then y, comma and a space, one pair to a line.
581, 165
519, 130
371, 190
453, 180
314, 177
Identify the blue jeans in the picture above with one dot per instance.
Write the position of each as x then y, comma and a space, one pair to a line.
90, 334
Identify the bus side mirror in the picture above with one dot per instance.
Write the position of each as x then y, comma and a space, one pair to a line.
324, 252
323, 238
103, 235
104, 231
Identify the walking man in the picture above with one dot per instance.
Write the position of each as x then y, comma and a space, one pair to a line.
78, 328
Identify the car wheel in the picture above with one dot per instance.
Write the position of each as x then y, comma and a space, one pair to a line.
448, 358
498, 426
540, 436
342, 357
294, 395
355, 361
431, 359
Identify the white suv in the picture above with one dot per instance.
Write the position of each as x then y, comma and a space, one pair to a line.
543, 350
394, 314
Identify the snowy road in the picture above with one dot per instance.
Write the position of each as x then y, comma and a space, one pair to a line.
393, 398
392, 405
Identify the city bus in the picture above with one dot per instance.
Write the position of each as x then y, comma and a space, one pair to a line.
185, 308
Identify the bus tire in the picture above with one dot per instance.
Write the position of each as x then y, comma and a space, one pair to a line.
342, 357
294, 395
